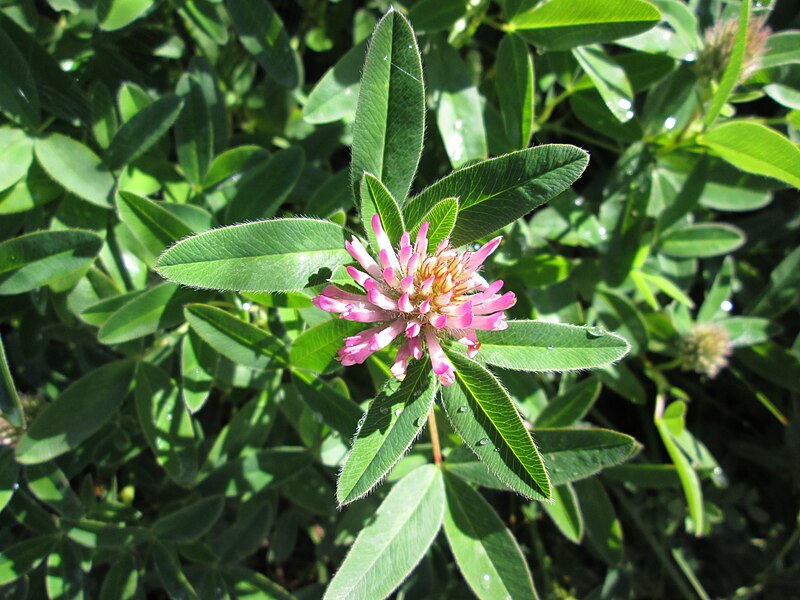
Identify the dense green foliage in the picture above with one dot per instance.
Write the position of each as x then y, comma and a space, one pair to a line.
177, 182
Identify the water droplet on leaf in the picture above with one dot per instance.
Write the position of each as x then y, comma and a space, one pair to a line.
461, 409
384, 410
486, 582
483, 441
595, 332
551, 347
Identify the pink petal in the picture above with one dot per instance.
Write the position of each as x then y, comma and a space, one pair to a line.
441, 364
401, 361
357, 251
383, 241
385, 337
438, 321
404, 303
358, 276
477, 258
365, 315
413, 328
495, 322
381, 300
390, 277
499, 303
421, 246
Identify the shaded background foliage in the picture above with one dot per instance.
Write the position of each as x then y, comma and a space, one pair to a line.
172, 459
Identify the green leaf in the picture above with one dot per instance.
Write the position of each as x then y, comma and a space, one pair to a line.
390, 115
376, 200
23, 557
9, 472
50, 485
394, 420
166, 423
159, 308
430, 16
194, 141
486, 552
459, 114
189, 523
495, 192
153, 226
116, 14
603, 528
442, 219
104, 122
266, 256
256, 471
783, 290
574, 454
36, 259
241, 342
335, 95
673, 419
77, 413
485, 417
564, 24
702, 241
392, 544
198, 364
733, 69
76, 168
749, 331
720, 291
16, 155
514, 83
566, 512
783, 48
64, 577
143, 130
609, 79
19, 98
122, 579
754, 148
253, 199
543, 346
262, 32
169, 571
774, 363
327, 404
315, 348
571, 406
10, 404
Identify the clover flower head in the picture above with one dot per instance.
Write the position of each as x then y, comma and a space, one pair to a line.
705, 349
417, 296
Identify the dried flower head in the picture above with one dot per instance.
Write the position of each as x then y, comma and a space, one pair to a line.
418, 296
705, 349
718, 47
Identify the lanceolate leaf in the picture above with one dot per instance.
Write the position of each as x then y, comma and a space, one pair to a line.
702, 240
493, 193
233, 338
262, 32
542, 346
315, 348
327, 404
515, 89
565, 409
10, 404
36, 259
18, 95
166, 423
459, 115
393, 421
266, 256
76, 168
78, 412
156, 309
376, 199
194, 134
487, 554
485, 417
142, 131
390, 115
442, 218
754, 148
335, 96
392, 544
564, 24
566, 512
155, 227
256, 471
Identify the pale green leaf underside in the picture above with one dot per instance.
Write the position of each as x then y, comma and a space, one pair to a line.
265, 256
702, 241
542, 346
396, 539
495, 192
393, 420
485, 417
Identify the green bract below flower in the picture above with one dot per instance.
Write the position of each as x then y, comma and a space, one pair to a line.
421, 296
